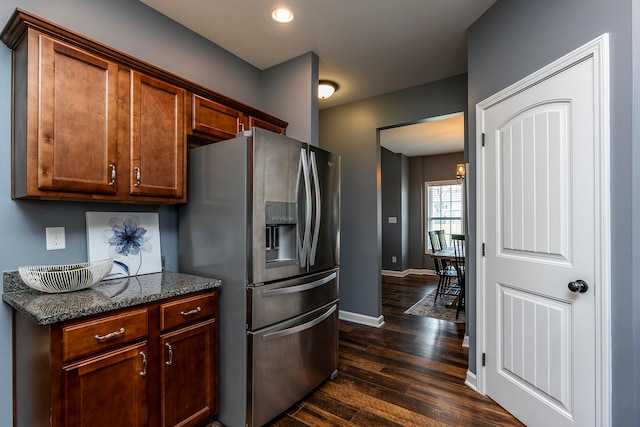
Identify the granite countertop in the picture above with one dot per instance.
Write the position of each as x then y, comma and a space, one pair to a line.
112, 294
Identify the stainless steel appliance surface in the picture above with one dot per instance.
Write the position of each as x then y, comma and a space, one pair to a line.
263, 215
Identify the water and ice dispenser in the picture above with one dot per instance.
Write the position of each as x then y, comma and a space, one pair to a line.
281, 222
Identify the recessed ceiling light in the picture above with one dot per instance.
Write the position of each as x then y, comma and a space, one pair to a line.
282, 14
326, 88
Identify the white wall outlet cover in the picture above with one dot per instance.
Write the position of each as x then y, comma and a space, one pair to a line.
393, 220
55, 238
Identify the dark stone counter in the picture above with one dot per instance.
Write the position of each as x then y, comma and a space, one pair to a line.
107, 295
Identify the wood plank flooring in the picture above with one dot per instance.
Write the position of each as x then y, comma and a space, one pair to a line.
410, 372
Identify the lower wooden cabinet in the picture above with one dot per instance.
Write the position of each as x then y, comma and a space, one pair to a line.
150, 365
110, 389
188, 385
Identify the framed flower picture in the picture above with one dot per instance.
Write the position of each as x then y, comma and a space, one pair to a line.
132, 239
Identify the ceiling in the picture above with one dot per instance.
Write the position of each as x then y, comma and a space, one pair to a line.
436, 135
369, 47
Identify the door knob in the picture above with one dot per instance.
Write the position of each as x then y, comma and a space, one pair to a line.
578, 286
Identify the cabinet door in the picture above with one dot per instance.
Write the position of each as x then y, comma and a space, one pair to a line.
109, 390
158, 138
255, 122
211, 119
77, 138
189, 375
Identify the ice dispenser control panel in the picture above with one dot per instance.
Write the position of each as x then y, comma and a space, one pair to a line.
281, 222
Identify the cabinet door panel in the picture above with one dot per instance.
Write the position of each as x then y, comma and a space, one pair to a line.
108, 390
210, 118
77, 138
263, 124
189, 372
158, 138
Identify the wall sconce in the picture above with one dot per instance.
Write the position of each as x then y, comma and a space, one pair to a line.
326, 88
460, 172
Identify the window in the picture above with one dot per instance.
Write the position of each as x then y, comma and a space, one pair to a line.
444, 209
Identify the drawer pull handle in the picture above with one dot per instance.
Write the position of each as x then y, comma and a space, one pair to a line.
189, 313
113, 175
143, 373
170, 361
109, 335
137, 184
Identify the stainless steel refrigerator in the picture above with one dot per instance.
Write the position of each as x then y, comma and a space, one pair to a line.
263, 215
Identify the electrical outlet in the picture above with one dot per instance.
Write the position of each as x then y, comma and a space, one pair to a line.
394, 259
55, 238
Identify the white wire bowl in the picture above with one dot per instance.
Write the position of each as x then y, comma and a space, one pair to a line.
65, 278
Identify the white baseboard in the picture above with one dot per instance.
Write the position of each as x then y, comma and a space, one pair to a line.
471, 381
465, 341
376, 322
420, 272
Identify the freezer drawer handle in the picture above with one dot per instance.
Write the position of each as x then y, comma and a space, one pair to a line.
191, 312
299, 288
109, 335
299, 328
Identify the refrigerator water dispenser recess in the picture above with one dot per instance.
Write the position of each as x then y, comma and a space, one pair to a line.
281, 227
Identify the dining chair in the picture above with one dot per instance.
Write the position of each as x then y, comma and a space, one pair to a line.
444, 271
442, 238
458, 242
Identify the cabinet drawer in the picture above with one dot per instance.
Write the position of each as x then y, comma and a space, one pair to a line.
101, 334
187, 310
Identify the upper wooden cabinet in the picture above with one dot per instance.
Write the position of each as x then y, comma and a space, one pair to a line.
255, 122
88, 128
158, 138
213, 121
93, 123
65, 121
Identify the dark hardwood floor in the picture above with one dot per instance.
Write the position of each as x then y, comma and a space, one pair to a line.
410, 372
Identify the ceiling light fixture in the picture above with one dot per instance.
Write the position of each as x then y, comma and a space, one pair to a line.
326, 88
282, 14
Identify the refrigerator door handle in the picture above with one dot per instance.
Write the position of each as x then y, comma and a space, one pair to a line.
318, 210
303, 249
300, 328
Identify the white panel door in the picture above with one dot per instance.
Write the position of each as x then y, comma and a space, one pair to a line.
540, 187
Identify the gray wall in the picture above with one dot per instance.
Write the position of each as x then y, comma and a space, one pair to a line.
516, 38
394, 194
134, 28
351, 130
294, 82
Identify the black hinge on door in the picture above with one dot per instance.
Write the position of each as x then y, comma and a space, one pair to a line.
483, 139
483, 249
484, 358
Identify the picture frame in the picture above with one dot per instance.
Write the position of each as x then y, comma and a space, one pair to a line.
132, 239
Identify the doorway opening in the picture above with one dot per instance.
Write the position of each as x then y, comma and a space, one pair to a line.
412, 157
